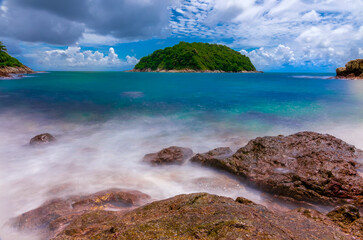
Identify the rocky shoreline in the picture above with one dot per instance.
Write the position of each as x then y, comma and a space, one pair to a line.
306, 167
8, 72
353, 70
188, 71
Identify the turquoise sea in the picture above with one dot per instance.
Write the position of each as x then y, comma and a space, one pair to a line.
253, 103
105, 122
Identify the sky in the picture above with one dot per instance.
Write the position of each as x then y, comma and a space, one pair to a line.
112, 35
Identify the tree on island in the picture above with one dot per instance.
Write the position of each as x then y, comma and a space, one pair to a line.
6, 60
2, 47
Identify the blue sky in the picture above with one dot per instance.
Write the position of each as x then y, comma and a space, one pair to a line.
278, 35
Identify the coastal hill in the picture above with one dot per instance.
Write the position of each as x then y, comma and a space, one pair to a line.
352, 70
10, 65
195, 57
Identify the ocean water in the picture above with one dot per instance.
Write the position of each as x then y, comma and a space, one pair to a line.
105, 122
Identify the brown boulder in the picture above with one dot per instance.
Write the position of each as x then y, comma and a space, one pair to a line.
51, 217
214, 155
353, 70
305, 166
170, 155
200, 216
42, 138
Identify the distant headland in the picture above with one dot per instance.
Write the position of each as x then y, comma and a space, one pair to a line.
352, 70
10, 65
195, 57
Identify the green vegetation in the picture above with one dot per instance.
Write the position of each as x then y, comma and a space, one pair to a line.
2, 47
6, 60
196, 56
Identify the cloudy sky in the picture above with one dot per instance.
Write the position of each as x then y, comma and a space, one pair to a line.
278, 35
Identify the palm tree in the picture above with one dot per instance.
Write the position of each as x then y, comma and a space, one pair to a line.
2, 47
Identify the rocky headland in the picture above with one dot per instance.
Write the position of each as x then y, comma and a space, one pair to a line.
352, 70
7, 72
10, 66
305, 167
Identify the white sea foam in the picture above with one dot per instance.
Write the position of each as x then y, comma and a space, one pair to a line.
313, 77
92, 157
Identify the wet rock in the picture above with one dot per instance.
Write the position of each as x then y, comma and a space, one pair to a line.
214, 155
353, 70
199, 216
220, 183
51, 217
306, 166
42, 139
170, 155
344, 215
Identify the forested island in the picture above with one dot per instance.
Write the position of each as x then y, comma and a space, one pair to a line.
10, 65
195, 57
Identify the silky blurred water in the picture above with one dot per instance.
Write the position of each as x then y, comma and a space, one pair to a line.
105, 122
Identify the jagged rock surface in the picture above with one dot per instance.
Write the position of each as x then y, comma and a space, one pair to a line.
200, 216
305, 166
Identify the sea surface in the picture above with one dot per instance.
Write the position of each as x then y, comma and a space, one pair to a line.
105, 122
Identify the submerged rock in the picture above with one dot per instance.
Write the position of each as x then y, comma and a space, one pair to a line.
200, 216
353, 70
305, 166
51, 217
42, 138
170, 155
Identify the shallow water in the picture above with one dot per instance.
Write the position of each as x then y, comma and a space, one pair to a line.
105, 122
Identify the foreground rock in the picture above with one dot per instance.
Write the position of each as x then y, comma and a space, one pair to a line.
170, 155
42, 139
344, 215
352, 70
201, 216
54, 215
305, 166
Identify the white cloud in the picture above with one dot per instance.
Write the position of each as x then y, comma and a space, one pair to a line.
318, 32
360, 53
75, 58
324, 45
131, 60
272, 57
311, 16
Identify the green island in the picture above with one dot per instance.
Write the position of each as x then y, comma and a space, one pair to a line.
6, 60
195, 57
10, 65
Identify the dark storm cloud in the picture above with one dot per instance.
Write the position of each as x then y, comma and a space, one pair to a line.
64, 22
